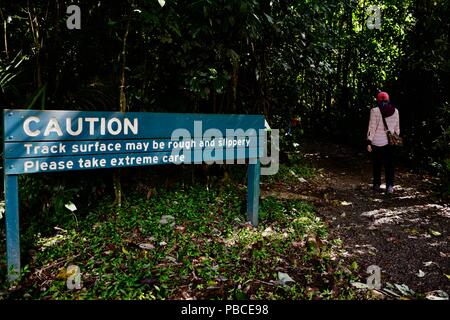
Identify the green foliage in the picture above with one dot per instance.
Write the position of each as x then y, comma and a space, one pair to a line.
208, 251
441, 148
294, 168
313, 59
9, 70
44, 198
316, 60
291, 174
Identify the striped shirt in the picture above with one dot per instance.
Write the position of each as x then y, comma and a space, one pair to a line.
376, 132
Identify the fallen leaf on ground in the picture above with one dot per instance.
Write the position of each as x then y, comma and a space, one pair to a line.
359, 285
391, 292
413, 231
435, 233
171, 259
298, 244
437, 295
267, 232
404, 289
166, 219
420, 274
186, 296
284, 278
146, 246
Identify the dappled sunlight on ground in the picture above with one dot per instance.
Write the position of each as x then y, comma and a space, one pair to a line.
365, 249
403, 214
401, 233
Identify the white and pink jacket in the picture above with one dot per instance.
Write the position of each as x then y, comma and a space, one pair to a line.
376, 133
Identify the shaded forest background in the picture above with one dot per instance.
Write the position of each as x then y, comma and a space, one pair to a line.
313, 60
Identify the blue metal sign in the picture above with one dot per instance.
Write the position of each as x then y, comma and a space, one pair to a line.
51, 141
33, 125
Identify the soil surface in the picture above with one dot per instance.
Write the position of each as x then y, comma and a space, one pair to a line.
406, 234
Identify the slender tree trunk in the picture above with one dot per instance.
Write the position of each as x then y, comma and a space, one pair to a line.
345, 97
123, 108
34, 24
123, 100
5, 35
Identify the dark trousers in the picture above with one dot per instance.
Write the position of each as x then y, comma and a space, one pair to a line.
383, 156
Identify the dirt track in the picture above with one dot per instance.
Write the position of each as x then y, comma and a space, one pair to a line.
402, 234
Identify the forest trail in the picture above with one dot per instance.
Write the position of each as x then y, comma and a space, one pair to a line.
407, 235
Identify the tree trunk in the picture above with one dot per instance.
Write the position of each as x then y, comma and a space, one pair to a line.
123, 108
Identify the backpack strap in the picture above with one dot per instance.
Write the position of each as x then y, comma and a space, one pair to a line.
385, 124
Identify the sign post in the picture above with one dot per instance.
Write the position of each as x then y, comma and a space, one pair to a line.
55, 141
253, 174
12, 226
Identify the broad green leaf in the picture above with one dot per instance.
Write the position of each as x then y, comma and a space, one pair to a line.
70, 206
404, 289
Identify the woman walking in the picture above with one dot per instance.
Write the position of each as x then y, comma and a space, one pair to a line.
377, 140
